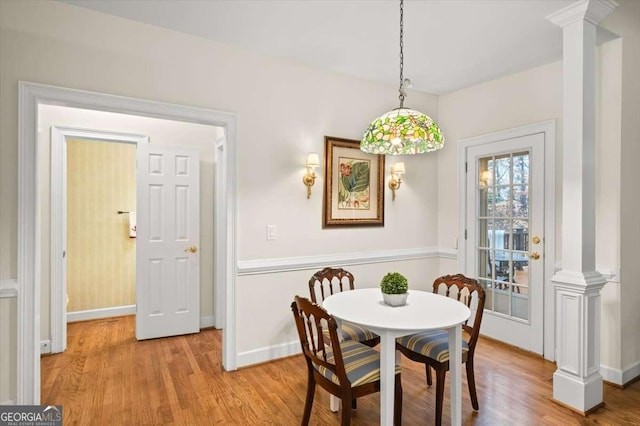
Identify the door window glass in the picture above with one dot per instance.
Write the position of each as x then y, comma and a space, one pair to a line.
503, 232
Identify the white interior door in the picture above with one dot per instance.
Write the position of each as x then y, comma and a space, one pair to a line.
167, 241
505, 236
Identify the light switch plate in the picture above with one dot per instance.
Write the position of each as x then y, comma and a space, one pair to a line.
272, 232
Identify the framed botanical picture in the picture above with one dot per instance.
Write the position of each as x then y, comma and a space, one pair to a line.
353, 185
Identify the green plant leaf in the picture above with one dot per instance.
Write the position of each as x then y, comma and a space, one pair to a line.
360, 176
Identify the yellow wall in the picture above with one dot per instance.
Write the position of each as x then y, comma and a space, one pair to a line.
100, 255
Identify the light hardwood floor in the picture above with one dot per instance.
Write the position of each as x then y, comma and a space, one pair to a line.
106, 377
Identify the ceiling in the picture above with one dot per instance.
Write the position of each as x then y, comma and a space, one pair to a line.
448, 44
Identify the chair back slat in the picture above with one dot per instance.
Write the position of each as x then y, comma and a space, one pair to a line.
329, 281
310, 320
469, 292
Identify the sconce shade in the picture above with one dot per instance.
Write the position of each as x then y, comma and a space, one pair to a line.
402, 131
313, 160
398, 168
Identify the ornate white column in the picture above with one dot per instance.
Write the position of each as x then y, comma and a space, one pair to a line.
577, 382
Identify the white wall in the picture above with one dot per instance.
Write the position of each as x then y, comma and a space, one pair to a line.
608, 115
515, 100
8, 342
625, 21
283, 112
258, 293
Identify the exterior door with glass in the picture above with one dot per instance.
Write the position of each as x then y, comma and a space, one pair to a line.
504, 246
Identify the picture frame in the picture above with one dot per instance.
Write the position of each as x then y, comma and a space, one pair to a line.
353, 185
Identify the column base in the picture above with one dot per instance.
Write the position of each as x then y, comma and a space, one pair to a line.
578, 394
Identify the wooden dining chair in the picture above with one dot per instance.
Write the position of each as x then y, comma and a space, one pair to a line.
432, 347
328, 281
346, 369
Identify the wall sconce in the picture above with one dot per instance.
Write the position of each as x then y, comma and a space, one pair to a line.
397, 170
309, 179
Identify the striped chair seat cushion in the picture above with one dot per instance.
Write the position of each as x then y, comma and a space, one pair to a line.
352, 332
433, 344
361, 363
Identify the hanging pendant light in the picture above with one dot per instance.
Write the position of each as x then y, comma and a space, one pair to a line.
402, 130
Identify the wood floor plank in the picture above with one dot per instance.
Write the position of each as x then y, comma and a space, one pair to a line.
106, 377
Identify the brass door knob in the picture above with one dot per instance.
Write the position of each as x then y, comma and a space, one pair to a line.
536, 240
535, 255
192, 249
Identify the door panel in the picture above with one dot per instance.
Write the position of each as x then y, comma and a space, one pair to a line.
167, 265
505, 206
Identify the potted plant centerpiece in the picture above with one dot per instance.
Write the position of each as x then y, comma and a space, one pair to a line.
394, 288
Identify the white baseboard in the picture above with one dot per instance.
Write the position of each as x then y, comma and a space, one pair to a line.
611, 375
631, 373
269, 353
620, 377
8, 402
118, 311
90, 314
45, 347
206, 322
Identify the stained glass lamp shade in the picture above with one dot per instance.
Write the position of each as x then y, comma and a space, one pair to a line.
402, 131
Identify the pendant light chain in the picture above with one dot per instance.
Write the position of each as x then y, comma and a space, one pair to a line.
402, 91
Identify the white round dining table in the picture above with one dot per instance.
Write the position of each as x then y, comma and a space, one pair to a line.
423, 311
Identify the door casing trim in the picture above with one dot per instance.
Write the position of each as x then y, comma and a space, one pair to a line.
30, 95
548, 128
58, 219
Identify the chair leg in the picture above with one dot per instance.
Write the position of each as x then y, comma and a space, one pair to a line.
311, 389
354, 404
427, 370
472, 384
397, 402
346, 412
440, 377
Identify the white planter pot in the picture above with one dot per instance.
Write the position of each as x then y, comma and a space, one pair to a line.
395, 299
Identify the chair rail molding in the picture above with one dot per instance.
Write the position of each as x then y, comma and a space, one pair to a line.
287, 264
8, 288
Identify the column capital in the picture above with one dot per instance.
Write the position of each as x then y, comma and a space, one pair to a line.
579, 282
592, 11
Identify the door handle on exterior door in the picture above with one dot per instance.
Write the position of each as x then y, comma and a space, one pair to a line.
536, 240
535, 255
191, 249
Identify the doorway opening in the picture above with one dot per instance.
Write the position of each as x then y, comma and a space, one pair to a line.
70, 125
102, 256
100, 250
31, 264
